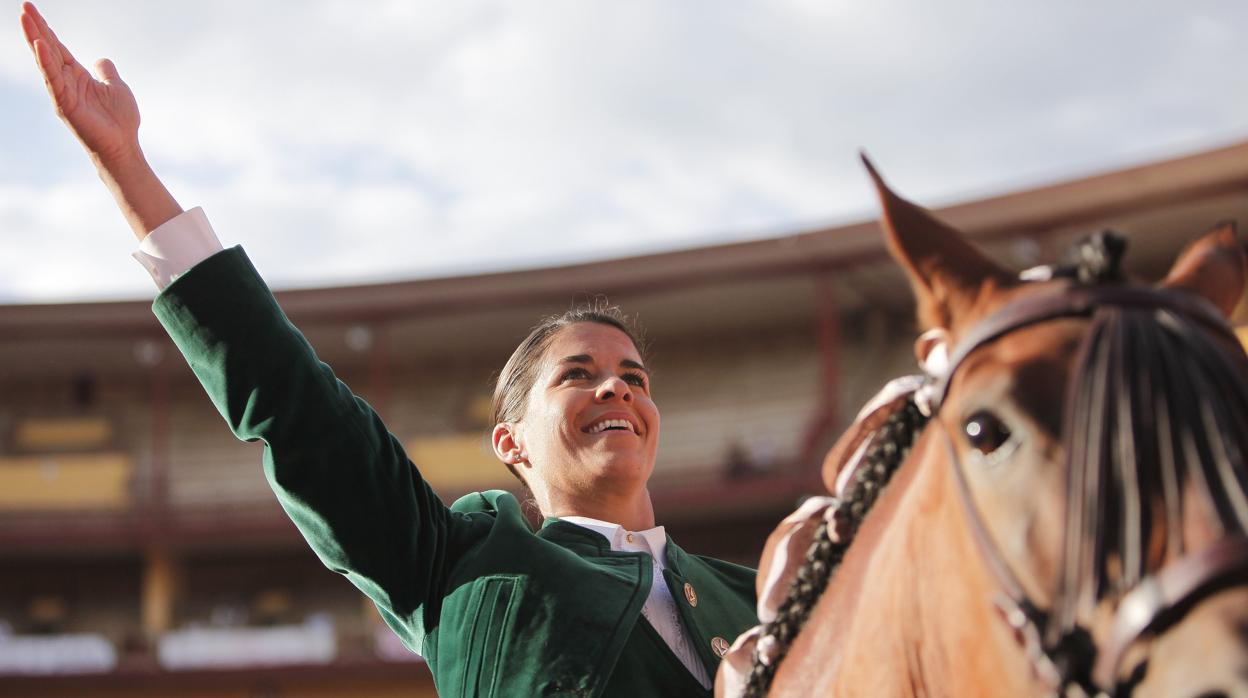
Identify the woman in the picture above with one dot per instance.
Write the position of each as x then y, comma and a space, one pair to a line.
598, 602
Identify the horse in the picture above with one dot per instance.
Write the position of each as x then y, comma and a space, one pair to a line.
1057, 505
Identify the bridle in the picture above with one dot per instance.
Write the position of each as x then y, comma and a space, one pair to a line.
1061, 651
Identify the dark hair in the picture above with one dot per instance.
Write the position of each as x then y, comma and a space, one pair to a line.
511, 390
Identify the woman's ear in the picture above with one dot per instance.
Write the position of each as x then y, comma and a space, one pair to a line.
507, 445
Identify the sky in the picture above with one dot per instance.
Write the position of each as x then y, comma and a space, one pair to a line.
348, 142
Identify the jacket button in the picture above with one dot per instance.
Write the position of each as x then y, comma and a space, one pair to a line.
719, 646
690, 595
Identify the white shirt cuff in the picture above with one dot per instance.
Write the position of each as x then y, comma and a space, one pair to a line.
176, 245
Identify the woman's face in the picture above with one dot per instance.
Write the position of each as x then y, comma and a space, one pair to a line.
590, 422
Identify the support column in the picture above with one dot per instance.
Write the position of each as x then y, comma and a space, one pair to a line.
829, 328
379, 369
151, 490
828, 339
161, 579
158, 512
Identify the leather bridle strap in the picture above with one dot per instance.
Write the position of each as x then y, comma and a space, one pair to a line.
1159, 600
979, 530
1074, 301
1154, 604
1026, 620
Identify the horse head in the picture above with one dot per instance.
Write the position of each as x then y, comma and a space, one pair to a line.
1071, 519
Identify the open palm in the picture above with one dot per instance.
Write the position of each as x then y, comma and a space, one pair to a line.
101, 112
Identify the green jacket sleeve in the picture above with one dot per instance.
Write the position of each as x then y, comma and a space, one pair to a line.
340, 475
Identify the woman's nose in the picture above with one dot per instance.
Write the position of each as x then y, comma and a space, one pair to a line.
612, 388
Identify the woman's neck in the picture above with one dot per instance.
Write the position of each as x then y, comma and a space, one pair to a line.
634, 513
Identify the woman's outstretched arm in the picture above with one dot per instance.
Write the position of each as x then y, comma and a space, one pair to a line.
340, 475
104, 115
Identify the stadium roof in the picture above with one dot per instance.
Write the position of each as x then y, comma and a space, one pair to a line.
1158, 205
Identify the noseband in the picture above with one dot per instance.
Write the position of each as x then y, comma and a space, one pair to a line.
1061, 651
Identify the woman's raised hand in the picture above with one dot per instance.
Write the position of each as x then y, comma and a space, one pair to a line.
101, 112
105, 117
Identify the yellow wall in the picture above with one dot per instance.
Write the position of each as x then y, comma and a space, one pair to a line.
62, 433
458, 462
60, 482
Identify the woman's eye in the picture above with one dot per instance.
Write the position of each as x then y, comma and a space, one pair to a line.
574, 374
985, 432
635, 379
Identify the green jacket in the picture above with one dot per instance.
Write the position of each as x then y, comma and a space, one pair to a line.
494, 607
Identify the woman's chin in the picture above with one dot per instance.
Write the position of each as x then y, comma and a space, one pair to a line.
620, 470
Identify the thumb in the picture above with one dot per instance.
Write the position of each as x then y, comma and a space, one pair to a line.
107, 72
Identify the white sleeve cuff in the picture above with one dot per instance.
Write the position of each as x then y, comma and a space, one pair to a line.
176, 245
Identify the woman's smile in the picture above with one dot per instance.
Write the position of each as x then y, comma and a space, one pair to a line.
613, 423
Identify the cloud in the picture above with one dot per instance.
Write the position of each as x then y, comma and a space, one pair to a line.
342, 141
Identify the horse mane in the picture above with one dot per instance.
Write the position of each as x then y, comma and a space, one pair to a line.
885, 453
1158, 406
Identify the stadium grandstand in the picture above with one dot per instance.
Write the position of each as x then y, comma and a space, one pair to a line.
142, 553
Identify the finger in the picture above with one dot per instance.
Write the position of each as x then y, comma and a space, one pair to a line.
58, 49
107, 72
33, 12
52, 77
30, 29
38, 27
44, 58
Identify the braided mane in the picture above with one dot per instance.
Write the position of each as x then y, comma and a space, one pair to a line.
884, 456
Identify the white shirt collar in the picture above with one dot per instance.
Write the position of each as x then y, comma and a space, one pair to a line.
652, 540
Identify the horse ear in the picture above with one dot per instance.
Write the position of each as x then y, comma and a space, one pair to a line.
1212, 267
947, 272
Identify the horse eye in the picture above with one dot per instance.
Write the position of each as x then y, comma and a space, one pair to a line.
985, 431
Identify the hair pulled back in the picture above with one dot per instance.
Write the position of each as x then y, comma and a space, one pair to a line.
511, 390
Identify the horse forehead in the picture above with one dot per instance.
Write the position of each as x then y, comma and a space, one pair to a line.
990, 297
1031, 357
